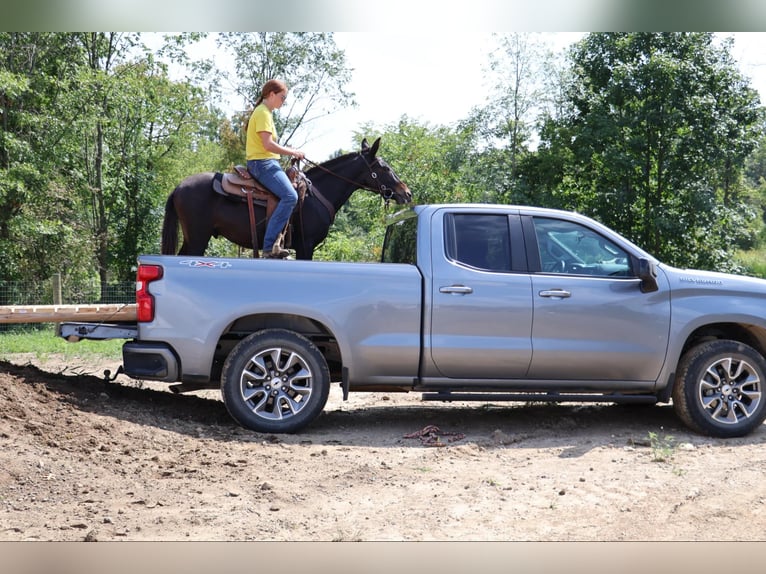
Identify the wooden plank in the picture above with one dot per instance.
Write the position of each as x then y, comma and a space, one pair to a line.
62, 313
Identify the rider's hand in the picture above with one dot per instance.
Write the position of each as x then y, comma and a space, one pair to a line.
298, 154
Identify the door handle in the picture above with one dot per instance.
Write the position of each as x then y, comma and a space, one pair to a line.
459, 289
555, 293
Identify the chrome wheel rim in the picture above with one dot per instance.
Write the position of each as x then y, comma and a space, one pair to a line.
730, 391
276, 384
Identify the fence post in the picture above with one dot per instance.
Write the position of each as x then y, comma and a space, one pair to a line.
56, 298
57, 289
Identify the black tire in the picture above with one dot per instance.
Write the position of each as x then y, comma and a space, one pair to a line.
275, 381
718, 389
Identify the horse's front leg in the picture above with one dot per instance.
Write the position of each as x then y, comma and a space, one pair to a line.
304, 254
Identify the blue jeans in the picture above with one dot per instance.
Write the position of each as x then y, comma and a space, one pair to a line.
271, 174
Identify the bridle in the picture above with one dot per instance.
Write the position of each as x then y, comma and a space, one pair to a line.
382, 190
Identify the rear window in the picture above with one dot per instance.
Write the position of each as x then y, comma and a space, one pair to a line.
400, 245
481, 241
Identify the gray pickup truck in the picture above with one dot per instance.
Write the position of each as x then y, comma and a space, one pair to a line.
470, 302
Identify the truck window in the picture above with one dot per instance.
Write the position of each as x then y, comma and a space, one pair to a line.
400, 245
481, 241
569, 248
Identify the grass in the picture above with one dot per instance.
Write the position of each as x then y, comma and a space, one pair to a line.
43, 343
662, 446
754, 260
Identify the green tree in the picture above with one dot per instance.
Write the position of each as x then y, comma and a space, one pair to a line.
94, 136
437, 163
313, 67
37, 221
519, 67
130, 117
653, 142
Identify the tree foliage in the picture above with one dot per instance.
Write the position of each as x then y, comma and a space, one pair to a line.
656, 134
436, 162
95, 134
653, 142
313, 67
88, 125
520, 67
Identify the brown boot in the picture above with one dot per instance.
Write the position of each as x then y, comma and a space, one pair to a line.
276, 253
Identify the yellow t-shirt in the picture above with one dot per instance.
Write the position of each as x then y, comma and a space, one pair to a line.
261, 120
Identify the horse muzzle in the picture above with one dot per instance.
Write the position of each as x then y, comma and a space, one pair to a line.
401, 194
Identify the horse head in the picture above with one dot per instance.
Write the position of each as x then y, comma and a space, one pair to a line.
381, 177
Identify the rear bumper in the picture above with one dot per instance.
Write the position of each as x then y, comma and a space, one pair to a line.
153, 361
76, 331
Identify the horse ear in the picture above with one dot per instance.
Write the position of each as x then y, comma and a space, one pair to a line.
365, 145
375, 146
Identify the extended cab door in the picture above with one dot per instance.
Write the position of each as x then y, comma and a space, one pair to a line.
479, 321
591, 320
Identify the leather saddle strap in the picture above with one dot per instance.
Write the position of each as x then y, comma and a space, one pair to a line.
253, 230
324, 201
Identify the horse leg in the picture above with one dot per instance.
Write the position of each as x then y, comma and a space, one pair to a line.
304, 250
195, 241
196, 226
193, 248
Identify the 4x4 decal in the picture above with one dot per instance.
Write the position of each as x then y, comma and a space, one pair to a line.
208, 264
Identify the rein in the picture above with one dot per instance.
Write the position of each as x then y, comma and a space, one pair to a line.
382, 190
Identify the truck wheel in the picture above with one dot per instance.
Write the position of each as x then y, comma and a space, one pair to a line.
275, 381
718, 389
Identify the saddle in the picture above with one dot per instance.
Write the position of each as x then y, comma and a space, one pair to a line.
242, 185
240, 182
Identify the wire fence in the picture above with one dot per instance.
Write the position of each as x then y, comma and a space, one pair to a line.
58, 292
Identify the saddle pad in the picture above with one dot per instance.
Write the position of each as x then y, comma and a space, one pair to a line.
233, 193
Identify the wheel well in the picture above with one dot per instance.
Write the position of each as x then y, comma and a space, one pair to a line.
315, 331
749, 334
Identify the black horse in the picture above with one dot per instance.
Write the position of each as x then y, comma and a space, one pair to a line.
203, 213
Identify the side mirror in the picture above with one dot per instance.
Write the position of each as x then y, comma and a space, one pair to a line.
647, 272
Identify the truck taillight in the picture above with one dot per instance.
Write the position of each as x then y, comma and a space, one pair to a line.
144, 300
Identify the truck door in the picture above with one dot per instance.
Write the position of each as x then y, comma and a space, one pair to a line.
480, 320
591, 320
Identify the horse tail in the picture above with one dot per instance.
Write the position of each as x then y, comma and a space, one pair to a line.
170, 228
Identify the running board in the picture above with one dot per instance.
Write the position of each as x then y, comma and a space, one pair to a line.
539, 397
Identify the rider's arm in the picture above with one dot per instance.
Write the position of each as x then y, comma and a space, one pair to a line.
272, 146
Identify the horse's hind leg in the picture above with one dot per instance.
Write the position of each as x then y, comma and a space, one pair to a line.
195, 241
195, 247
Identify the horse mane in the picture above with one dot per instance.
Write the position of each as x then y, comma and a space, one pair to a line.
331, 163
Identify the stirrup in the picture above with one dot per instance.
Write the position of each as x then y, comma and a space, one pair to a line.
276, 253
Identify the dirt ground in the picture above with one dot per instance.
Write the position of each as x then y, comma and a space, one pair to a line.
84, 458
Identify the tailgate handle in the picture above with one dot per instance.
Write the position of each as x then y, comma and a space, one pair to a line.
459, 289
